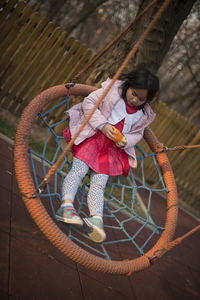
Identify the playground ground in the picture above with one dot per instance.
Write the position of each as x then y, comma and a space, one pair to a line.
32, 268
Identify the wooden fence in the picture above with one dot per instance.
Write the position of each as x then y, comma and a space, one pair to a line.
172, 129
35, 55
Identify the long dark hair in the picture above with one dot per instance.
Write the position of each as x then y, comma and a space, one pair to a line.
140, 78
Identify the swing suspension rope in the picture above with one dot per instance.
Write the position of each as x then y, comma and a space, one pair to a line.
33, 192
94, 60
119, 71
178, 148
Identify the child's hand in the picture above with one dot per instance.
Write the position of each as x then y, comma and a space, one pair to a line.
108, 131
121, 143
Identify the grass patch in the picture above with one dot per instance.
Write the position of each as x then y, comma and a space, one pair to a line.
35, 145
7, 128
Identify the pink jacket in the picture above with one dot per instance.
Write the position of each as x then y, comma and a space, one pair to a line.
79, 111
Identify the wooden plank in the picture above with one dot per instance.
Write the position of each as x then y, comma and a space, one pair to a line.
80, 63
28, 47
57, 56
10, 68
163, 117
2, 5
185, 174
52, 57
13, 35
191, 110
174, 135
72, 61
4, 13
181, 139
192, 168
21, 37
178, 139
177, 129
28, 69
167, 119
162, 133
26, 59
194, 141
57, 115
6, 35
185, 166
73, 65
52, 78
39, 62
6, 101
63, 64
15, 46
183, 135
33, 51
189, 195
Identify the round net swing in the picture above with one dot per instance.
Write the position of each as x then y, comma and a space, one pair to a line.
134, 238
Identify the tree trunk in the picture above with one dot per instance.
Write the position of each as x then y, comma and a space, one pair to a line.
56, 10
152, 50
88, 8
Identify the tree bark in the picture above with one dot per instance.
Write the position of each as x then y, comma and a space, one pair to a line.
88, 8
153, 49
56, 12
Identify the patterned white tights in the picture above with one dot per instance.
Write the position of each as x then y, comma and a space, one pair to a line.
98, 182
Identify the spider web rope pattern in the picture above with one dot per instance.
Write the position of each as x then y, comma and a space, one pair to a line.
125, 221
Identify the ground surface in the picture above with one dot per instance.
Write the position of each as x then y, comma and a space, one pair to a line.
32, 268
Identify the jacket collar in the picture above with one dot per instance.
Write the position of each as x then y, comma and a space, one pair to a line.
114, 94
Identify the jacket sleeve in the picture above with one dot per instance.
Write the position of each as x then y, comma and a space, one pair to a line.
97, 119
134, 138
136, 134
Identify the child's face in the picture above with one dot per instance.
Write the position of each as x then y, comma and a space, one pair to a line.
136, 97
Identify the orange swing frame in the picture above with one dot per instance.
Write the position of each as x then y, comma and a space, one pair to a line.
38, 211
43, 219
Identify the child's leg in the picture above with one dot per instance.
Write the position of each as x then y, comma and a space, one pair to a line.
73, 179
94, 225
96, 193
66, 212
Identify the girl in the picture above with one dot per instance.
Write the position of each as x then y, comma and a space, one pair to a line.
126, 108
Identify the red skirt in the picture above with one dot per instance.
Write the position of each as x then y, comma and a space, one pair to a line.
101, 154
